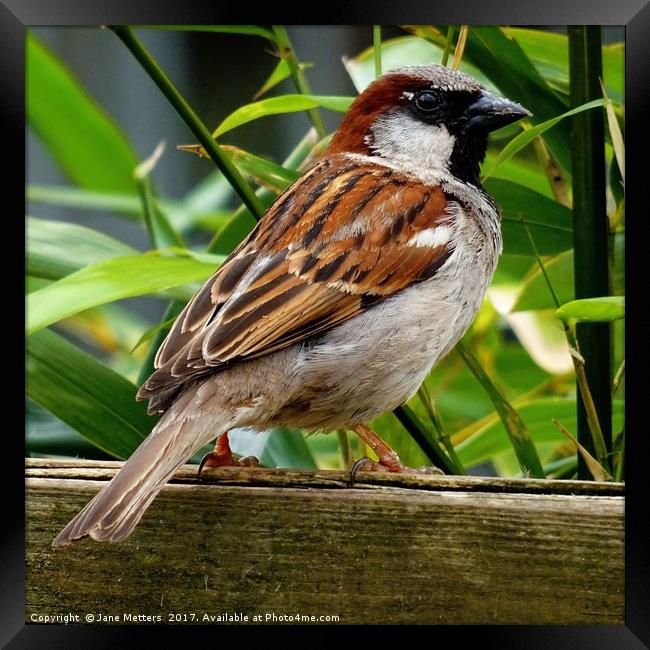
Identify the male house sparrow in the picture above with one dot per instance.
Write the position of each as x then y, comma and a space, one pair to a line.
359, 278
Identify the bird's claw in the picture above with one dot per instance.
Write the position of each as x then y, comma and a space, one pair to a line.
365, 464
213, 459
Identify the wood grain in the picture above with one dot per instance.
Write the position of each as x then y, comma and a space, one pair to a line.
390, 549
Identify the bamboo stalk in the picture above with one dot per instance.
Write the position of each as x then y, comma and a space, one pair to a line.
345, 448
442, 435
418, 432
376, 42
298, 75
590, 230
450, 37
620, 465
188, 115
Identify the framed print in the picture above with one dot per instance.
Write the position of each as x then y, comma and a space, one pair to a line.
326, 324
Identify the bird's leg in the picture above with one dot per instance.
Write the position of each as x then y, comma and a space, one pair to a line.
388, 459
221, 456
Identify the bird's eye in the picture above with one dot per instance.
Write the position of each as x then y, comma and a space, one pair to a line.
427, 101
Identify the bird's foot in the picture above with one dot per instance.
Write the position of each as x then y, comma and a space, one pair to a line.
222, 456
389, 463
388, 460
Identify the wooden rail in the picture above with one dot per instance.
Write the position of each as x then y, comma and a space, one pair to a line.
280, 543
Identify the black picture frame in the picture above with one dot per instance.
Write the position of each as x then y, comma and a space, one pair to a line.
17, 15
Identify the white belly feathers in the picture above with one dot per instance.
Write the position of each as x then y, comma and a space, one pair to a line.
376, 361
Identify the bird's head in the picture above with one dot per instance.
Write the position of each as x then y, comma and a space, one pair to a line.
425, 118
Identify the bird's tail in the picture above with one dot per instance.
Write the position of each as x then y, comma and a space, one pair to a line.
114, 512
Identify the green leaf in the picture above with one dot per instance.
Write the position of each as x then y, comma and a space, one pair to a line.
614, 70
161, 232
604, 309
280, 73
538, 415
287, 448
511, 269
534, 292
550, 54
114, 279
527, 136
85, 394
47, 435
264, 172
212, 192
616, 135
164, 326
278, 447
598, 472
516, 429
56, 248
279, 105
122, 203
184, 215
542, 47
524, 172
549, 221
86, 143
433, 449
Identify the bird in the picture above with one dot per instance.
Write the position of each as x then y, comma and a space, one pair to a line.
358, 279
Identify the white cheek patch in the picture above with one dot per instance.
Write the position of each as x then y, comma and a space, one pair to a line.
431, 237
415, 145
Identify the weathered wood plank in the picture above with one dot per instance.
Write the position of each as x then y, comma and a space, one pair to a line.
259, 477
440, 550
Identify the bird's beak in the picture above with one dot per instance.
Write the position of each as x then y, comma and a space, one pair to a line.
490, 112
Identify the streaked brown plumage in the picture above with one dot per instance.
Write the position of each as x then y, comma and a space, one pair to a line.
357, 280
332, 253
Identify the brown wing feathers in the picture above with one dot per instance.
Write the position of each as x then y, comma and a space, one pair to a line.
335, 242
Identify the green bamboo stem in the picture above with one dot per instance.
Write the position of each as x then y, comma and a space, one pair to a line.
450, 37
376, 43
590, 230
159, 229
441, 434
620, 466
298, 75
515, 427
146, 197
345, 448
419, 433
190, 118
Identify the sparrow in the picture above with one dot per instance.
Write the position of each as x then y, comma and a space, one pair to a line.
358, 279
